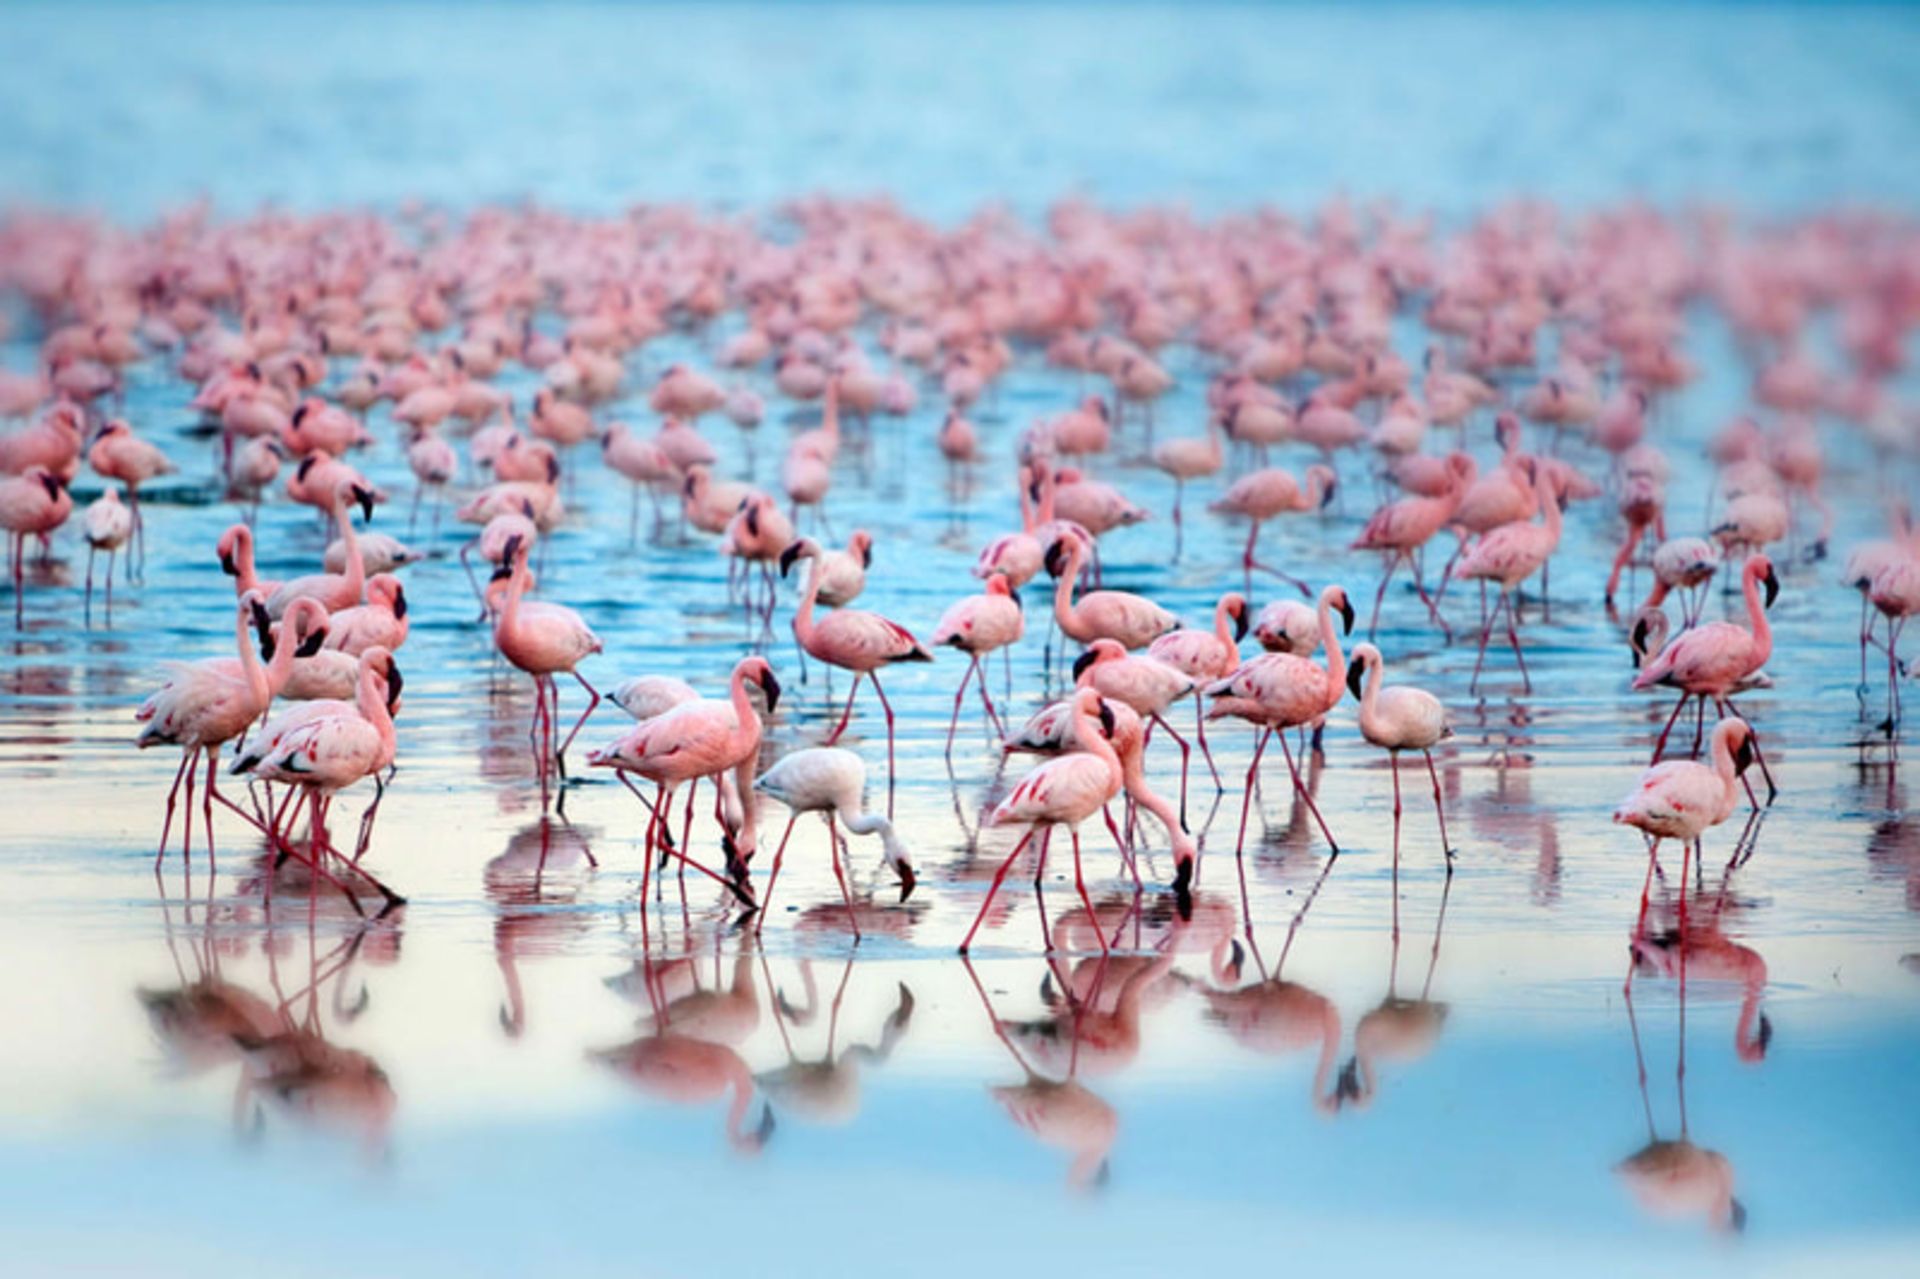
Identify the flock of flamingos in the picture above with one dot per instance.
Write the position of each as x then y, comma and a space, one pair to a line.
1550, 347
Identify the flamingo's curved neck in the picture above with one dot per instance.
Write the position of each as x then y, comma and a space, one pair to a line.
356, 567
1221, 630
1757, 620
509, 620
1063, 588
258, 682
372, 704
248, 579
803, 616
1336, 660
1329, 1051
1086, 728
746, 724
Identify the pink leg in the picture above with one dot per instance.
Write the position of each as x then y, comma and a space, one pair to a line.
1246, 795
846, 895
1186, 755
173, 795
1373, 623
1661, 744
1300, 789
959, 694
999, 877
779, 854
1206, 751
847, 714
1080, 883
593, 700
874, 678
1440, 810
1513, 638
1486, 633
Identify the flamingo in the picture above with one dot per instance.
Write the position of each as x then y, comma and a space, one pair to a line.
852, 639
1684, 564
1265, 494
1282, 691
323, 747
690, 741
1143, 683
1066, 790
1134, 621
1403, 528
978, 625
334, 591
543, 640
382, 620
1398, 719
1510, 555
119, 454
32, 504
1188, 459
832, 782
1683, 799
1710, 661
108, 524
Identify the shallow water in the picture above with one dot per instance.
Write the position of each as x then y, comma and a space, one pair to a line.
498, 1140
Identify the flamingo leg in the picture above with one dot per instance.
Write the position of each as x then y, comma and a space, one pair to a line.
873, 677
779, 855
999, 877
1246, 794
1186, 754
1393, 766
1080, 884
1661, 744
1433, 607
1300, 789
1440, 810
593, 700
840, 874
1126, 854
986, 700
1513, 638
960, 693
1206, 751
173, 795
1486, 633
1393, 562
847, 714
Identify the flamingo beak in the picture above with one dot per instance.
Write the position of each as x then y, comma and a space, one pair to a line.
1056, 558
1355, 673
399, 603
866, 556
502, 573
1081, 663
263, 627
312, 644
787, 557
753, 520
1107, 724
53, 486
1772, 584
394, 683
907, 879
1326, 498
227, 565
1240, 623
1743, 754
1639, 642
771, 687
1346, 613
365, 498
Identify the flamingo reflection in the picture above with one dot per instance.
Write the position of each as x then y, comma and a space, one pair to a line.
826, 1090
532, 884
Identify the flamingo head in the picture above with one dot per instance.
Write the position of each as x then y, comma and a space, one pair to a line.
801, 548
1357, 666
1340, 603
228, 547
1762, 567
1236, 605
861, 544
759, 670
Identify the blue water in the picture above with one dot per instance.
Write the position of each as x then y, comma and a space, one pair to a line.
511, 1151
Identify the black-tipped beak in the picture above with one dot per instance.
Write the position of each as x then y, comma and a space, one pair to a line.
313, 643
1639, 644
394, 683
1056, 558
907, 880
553, 470
399, 603
1081, 663
510, 552
765, 1130
1743, 754
1355, 673
1326, 498
753, 521
1346, 614
52, 484
502, 573
365, 498
1764, 1036
1107, 724
1240, 623
227, 565
1348, 1089
263, 627
1183, 889
1772, 584
787, 557
866, 556
771, 687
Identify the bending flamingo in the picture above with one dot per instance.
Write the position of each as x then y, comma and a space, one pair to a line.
832, 782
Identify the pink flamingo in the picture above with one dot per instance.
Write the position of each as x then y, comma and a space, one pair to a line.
1282, 691
1191, 458
1643, 507
1265, 494
643, 464
32, 504
1146, 685
978, 626
1066, 790
1684, 564
1510, 555
323, 747
1398, 719
1402, 529
543, 640
118, 454
1683, 799
1133, 620
108, 525
334, 591
381, 621
1018, 557
852, 639
690, 741
1207, 656
1711, 661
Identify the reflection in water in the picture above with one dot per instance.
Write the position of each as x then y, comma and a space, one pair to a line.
1060, 1113
1673, 1177
1399, 1029
280, 1042
533, 885
826, 1089
686, 1053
